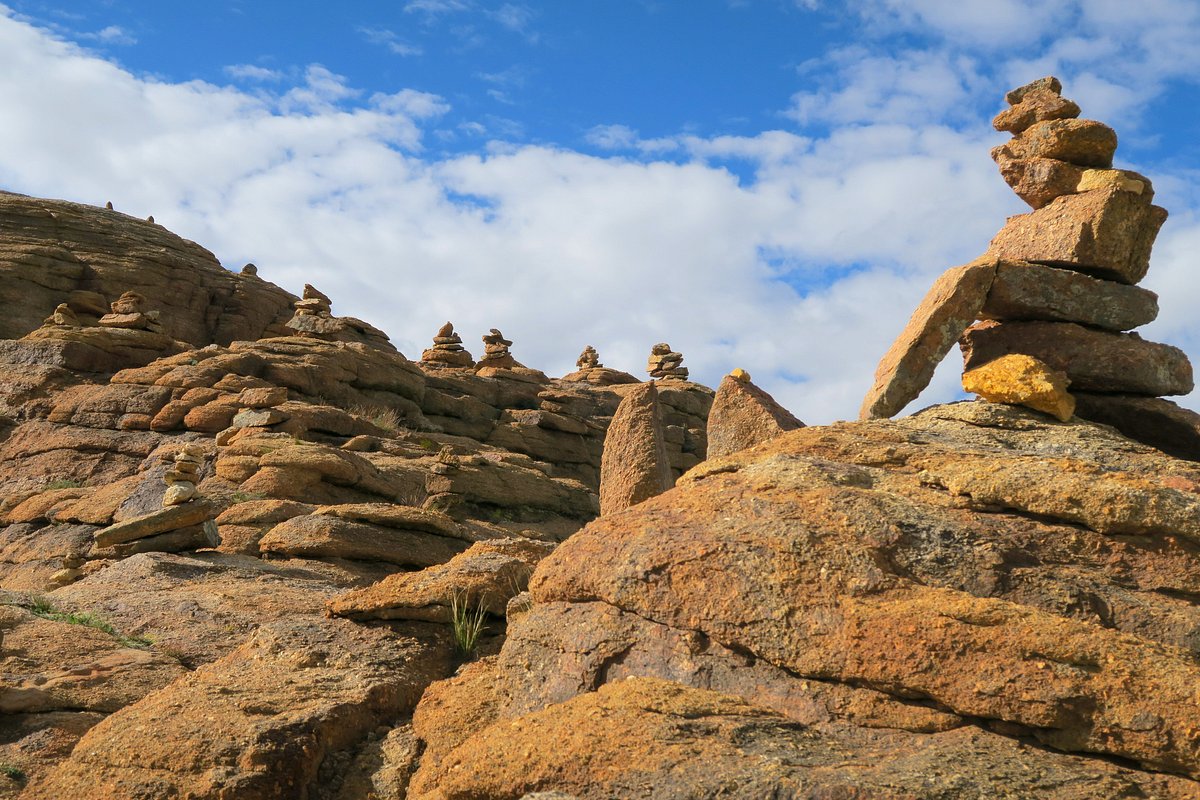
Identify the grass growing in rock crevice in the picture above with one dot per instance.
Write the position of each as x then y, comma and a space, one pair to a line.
466, 620
42, 607
12, 773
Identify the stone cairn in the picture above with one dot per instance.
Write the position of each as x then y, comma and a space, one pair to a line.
314, 314
447, 350
1050, 303
62, 316
127, 312
665, 364
181, 476
495, 352
184, 522
588, 359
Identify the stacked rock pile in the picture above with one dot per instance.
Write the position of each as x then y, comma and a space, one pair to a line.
447, 350
64, 316
181, 477
495, 351
588, 359
665, 364
185, 522
127, 312
1057, 286
314, 313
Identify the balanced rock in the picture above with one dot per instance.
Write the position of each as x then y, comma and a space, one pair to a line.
1096, 361
63, 316
1026, 291
126, 312
1056, 285
495, 352
1108, 232
666, 364
953, 303
634, 466
1024, 381
447, 350
743, 415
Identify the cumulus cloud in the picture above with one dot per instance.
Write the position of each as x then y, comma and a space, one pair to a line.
801, 273
252, 72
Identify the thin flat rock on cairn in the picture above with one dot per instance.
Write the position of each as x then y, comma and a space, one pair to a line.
1057, 285
447, 350
743, 415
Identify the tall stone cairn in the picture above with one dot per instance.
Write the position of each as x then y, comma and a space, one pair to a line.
447, 350
495, 352
665, 364
1057, 285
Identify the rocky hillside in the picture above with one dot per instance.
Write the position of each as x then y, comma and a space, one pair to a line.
248, 550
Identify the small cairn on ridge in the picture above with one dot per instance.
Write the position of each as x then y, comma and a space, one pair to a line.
63, 316
495, 352
181, 477
665, 364
588, 368
1050, 303
127, 312
447, 350
314, 319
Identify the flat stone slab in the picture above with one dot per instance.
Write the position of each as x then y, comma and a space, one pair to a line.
950, 306
1027, 291
167, 519
1108, 232
1096, 361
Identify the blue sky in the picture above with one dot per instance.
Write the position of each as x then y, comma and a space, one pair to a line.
771, 184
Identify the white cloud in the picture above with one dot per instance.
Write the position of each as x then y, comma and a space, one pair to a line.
802, 275
251, 72
390, 40
113, 34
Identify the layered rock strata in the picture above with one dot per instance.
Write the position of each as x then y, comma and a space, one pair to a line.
1057, 285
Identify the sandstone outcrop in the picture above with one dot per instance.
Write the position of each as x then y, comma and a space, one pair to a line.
635, 466
53, 250
943, 593
314, 318
447, 350
1056, 284
743, 415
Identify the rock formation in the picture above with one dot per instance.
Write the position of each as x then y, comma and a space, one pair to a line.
635, 466
1057, 285
743, 415
495, 352
589, 369
771, 621
447, 350
314, 318
664, 363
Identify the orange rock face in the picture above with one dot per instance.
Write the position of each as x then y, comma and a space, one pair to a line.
831, 576
1022, 380
743, 415
635, 466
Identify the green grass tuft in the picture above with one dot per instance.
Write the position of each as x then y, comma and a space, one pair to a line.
245, 497
467, 622
14, 773
42, 607
64, 484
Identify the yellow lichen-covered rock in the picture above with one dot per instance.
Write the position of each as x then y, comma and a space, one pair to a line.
1022, 380
1119, 179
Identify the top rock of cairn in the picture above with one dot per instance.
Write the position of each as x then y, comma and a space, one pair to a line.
1056, 284
447, 350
